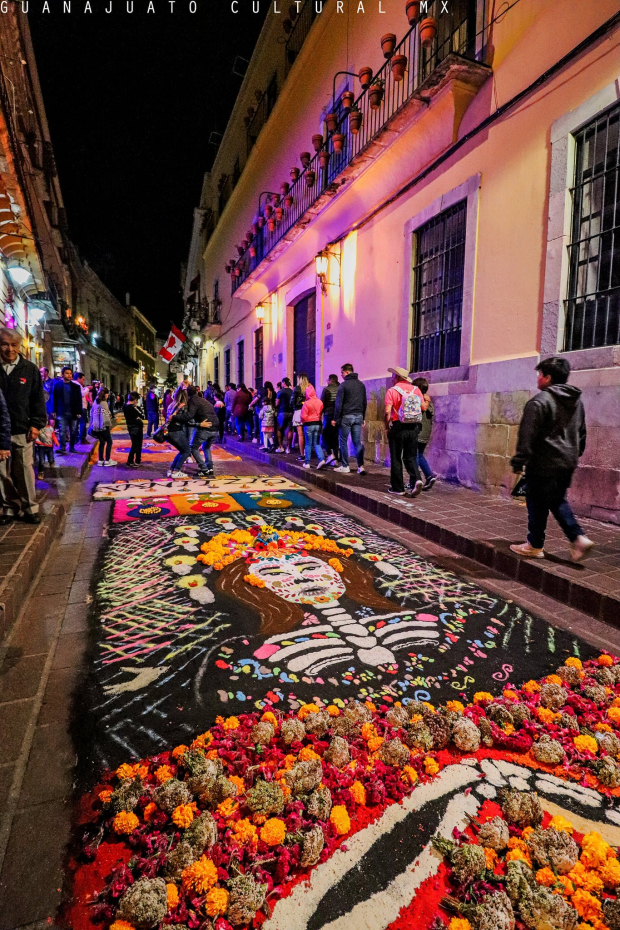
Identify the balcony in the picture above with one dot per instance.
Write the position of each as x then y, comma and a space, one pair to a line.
117, 354
456, 53
299, 34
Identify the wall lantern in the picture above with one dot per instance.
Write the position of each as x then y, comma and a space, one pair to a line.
260, 312
322, 264
196, 340
18, 274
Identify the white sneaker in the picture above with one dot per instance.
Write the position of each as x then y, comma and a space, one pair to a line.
416, 489
330, 458
255, 441
99, 463
361, 470
306, 465
527, 551
109, 464
321, 464
580, 548
344, 469
168, 474
178, 474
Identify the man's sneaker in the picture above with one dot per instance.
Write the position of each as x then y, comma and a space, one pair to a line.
278, 451
391, 490
209, 473
580, 548
111, 464
40, 475
178, 474
527, 551
301, 458
415, 489
321, 464
361, 470
31, 518
343, 469
97, 463
429, 483
133, 464
306, 465
255, 440
330, 458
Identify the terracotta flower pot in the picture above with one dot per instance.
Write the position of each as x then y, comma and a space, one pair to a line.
271, 223
251, 112
355, 121
399, 66
261, 222
289, 200
388, 44
294, 174
249, 236
305, 159
287, 26
240, 250
268, 211
292, 12
285, 188
338, 141
258, 95
428, 31
365, 76
332, 122
237, 272
253, 251
348, 99
317, 142
412, 9
279, 214
324, 158
246, 122
255, 227
227, 268
310, 178
375, 96
275, 199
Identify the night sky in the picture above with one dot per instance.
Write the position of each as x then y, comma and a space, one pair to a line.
131, 101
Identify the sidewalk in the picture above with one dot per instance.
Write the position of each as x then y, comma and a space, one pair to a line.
480, 527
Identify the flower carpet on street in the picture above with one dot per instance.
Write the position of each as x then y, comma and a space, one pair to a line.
210, 502
155, 487
158, 452
493, 813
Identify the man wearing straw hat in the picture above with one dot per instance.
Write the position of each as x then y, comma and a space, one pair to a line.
404, 405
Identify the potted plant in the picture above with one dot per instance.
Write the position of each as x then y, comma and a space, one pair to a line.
292, 12
237, 271
375, 94
294, 174
305, 159
332, 122
271, 223
288, 26
289, 200
246, 122
338, 141
412, 9
275, 199
310, 177
285, 188
253, 251
348, 99
324, 158
249, 236
240, 250
398, 65
365, 76
428, 31
227, 268
261, 221
317, 142
355, 119
279, 214
388, 44
255, 227
251, 112
258, 95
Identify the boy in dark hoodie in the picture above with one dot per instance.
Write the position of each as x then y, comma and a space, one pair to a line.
552, 438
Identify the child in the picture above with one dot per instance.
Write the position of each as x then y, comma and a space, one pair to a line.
311, 413
135, 427
45, 442
425, 435
267, 419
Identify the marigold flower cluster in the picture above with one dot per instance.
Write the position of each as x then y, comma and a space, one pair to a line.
201, 876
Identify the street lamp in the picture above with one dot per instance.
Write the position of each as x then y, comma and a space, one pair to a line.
18, 274
260, 312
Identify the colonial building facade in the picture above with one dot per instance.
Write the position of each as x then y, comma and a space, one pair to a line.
438, 194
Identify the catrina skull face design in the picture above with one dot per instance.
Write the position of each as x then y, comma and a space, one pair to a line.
301, 579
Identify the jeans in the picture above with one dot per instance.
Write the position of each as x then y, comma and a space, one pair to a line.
178, 439
68, 426
330, 435
136, 434
240, 425
351, 423
152, 417
45, 453
423, 465
203, 439
403, 447
221, 416
105, 440
312, 434
83, 425
17, 487
544, 493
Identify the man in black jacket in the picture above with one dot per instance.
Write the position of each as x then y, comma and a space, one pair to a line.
349, 416
22, 387
552, 438
202, 412
67, 406
329, 439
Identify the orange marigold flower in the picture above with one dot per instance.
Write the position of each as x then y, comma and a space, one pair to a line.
125, 822
459, 923
125, 771
603, 728
585, 744
149, 811
375, 743
259, 819
531, 687
594, 850
273, 832
336, 564
217, 902
245, 832
201, 876
172, 895
239, 782
179, 751
545, 877
491, 857
411, 774
511, 695
105, 795
553, 679
431, 766
614, 714
525, 832
371, 707
289, 761
219, 719
610, 874
268, 717
429, 707
574, 662
455, 706
567, 885
254, 581
368, 731
545, 715
227, 808
586, 905
303, 712
339, 818
561, 824
163, 774
508, 729
358, 792
605, 661
121, 925
231, 723
516, 854
515, 842
183, 815
308, 753
481, 696
333, 711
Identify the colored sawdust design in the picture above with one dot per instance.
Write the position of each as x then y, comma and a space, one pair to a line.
179, 639
415, 817
174, 505
156, 452
158, 487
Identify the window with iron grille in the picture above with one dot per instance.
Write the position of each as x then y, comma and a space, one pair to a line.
240, 361
216, 369
258, 358
593, 304
227, 365
438, 265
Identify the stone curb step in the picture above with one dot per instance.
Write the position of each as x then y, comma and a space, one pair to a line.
572, 593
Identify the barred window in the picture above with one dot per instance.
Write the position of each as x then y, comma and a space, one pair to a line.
438, 266
227, 372
593, 304
240, 362
258, 358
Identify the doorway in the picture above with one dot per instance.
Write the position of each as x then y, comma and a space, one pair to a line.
304, 337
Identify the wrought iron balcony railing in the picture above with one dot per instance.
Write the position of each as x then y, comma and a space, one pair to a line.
456, 35
110, 350
299, 33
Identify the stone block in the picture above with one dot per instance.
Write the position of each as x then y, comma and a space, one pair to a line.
475, 408
609, 376
586, 378
602, 406
447, 409
461, 437
498, 471
492, 439
607, 516
438, 436
514, 374
445, 464
590, 456
513, 435
597, 487
507, 407
471, 469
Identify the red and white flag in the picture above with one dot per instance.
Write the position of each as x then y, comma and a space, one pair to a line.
173, 344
